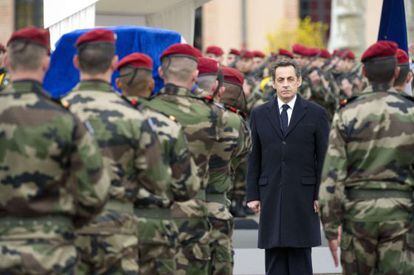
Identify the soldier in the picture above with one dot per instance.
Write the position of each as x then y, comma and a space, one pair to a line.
215, 53
3, 74
157, 231
368, 177
403, 82
223, 163
200, 121
232, 57
109, 243
51, 177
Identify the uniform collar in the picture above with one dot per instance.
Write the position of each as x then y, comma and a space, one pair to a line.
172, 89
27, 85
95, 85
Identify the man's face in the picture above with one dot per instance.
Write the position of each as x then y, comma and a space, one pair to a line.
230, 59
286, 83
257, 62
245, 65
219, 59
1, 60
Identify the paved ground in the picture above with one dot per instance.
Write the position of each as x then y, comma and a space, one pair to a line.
249, 260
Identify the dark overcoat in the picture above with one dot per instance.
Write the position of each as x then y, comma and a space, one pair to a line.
284, 173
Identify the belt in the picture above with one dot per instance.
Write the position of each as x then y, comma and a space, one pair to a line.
365, 194
154, 213
218, 197
120, 206
201, 194
61, 221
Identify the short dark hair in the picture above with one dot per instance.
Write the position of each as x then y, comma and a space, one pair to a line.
95, 58
402, 76
234, 96
284, 62
25, 56
135, 79
380, 70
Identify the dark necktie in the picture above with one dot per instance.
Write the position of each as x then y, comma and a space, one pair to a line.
284, 118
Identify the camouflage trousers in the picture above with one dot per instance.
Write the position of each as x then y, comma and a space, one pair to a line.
157, 246
221, 246
109, 245
43, 247
373, 245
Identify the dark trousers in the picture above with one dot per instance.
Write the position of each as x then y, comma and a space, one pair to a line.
288, 261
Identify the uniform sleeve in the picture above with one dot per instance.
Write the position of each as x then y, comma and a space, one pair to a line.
152, 170
245, 146
331, 193
88, 174
185, 183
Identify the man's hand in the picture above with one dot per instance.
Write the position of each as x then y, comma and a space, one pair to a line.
254, 205
316, 206
333, 246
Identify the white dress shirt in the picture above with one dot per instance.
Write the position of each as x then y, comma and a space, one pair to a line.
291, 105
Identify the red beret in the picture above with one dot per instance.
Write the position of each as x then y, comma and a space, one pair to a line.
346, 54
402, 57
380, 49
259, 54
324, 53
214, 50
33, 35
299, 49
99, 35
312, 52
181, 50
246, 54
2, 48
336, 52
234, 51
285, 53
136, 60
232, 76
207, 66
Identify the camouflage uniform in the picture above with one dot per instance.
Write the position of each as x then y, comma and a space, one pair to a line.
233, 147
157, 231
129, 145
200, 123
368, 181
51, 178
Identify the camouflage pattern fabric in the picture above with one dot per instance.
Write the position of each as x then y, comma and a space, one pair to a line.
131, 148
200, 123
158, 242
370, 148
233, 146
51, 177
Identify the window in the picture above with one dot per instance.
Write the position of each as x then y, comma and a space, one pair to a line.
28, 13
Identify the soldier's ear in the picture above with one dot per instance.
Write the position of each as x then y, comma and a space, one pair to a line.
114, 62
161, 73
76, 61
118, 83
151, 84
396, 72
195, 75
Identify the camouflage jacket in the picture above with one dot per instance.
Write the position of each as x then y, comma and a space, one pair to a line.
127, 140
201, 123
50, 165
233, 146
370, 147
185, 183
